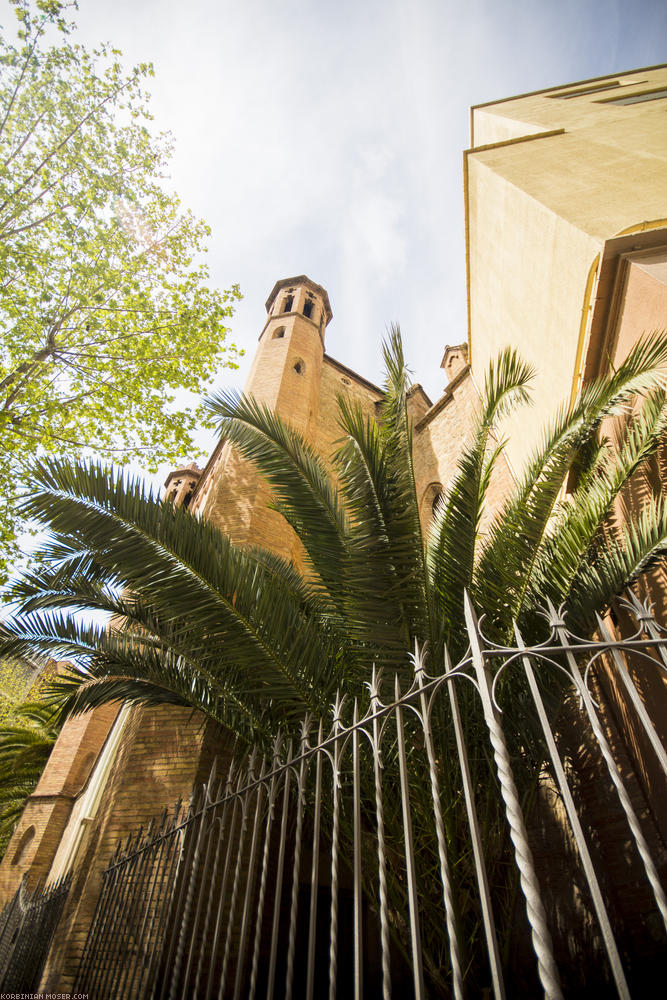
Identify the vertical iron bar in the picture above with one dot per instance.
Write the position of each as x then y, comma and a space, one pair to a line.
530, 886
250, 882
259, 915
115, 932
623, 796
158, 849
135, 903
445, 873
233, 798
356, 818
116, 880
220, 822
188, 849
216, 834
314, 873
279, 880
90, 947
413, 902
381, 851
638, 704
335, 830
7, 913
301, 795
169, 880
647, 621
245, 806
204, 892
478, 849
586, 860
190, 875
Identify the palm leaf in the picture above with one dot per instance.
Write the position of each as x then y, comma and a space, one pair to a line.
522, 527
302, 488
453, 538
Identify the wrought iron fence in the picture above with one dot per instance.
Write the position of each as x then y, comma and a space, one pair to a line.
27, 925
387, 854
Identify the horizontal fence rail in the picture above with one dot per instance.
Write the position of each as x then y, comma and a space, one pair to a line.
391, 853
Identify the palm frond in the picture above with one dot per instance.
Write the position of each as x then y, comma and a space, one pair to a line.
300, 482
193, 575
454, 533
386, 597
617, 564
583, 524
521, 528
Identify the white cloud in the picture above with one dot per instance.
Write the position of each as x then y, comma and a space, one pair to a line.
326, 137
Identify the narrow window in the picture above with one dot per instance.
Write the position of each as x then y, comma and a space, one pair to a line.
308, 308
299, 367
280, 332
582, 91
436, 502
188, 496
652, 95
288, 303
24, 843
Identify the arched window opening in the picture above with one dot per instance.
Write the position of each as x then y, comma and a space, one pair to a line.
430, 502
279, 333
188, 496
288, 303
308, 307
24, 843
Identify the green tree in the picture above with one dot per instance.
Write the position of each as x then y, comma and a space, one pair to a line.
105, 312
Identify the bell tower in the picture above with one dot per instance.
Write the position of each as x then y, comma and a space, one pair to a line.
287, 368
286, 375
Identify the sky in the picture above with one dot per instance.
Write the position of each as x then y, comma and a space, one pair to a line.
326, 138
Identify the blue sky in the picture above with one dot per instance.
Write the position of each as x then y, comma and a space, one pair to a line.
327, 138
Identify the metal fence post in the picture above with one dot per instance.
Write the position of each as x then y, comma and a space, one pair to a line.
524, 858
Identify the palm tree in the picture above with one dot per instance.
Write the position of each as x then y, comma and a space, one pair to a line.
28, 732
240, 635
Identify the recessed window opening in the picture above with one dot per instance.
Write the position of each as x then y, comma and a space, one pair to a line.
582, 91
308, 308
24, 843
346, 381
188, 496
650, 95
288, 303
436, 502
299, 367
280, 332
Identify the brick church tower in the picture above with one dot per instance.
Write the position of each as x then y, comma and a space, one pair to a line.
286, 375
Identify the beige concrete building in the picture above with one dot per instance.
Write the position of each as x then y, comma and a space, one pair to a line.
566, 226
566, 222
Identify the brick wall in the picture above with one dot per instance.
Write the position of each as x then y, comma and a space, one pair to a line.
439, 438
48, 809
165, 752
